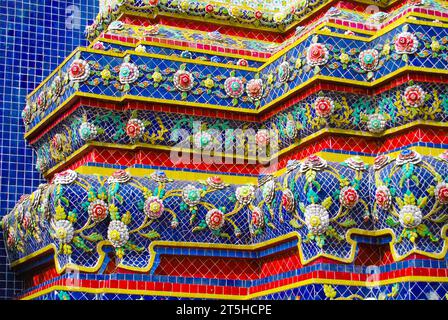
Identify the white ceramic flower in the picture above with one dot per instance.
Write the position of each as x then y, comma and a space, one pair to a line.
65, 177
117, 233
63, 231
317, 219
191, 195
410, 216
245, 194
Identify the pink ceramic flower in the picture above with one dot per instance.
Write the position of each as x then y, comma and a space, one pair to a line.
215, 182
234, 87
119, 176
317, 54
254, 89
380, 162
98, 46
313, 162
153, 207
262, 138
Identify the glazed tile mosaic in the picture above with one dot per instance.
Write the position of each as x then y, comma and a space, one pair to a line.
228, 150
36, 37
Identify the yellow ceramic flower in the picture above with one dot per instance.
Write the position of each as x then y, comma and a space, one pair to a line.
435, 46
209, 83
298, 63
184, 5
270, 78
140, 48
235, 11
157, 76
344, 58
105, 74
279, 17
386, 49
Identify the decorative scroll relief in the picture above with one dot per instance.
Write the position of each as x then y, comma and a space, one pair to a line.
324, 202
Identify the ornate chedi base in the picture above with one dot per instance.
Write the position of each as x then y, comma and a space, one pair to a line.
348, 109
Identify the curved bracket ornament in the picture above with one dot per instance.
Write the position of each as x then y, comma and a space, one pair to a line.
411, 192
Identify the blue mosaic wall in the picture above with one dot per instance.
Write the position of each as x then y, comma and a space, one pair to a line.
36, 37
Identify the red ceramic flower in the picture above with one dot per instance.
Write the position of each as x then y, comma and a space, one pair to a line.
42, 101
288, 200
380, 162
441, 193
153, 3
324, 106
257, 217
183, 80
215, 182
349, 197
98, 210
242, 63
258, 15
317, 54
406, 42
209, 8
214, 219
414, 96
79, 71
383, 197
135, 128
119, 176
